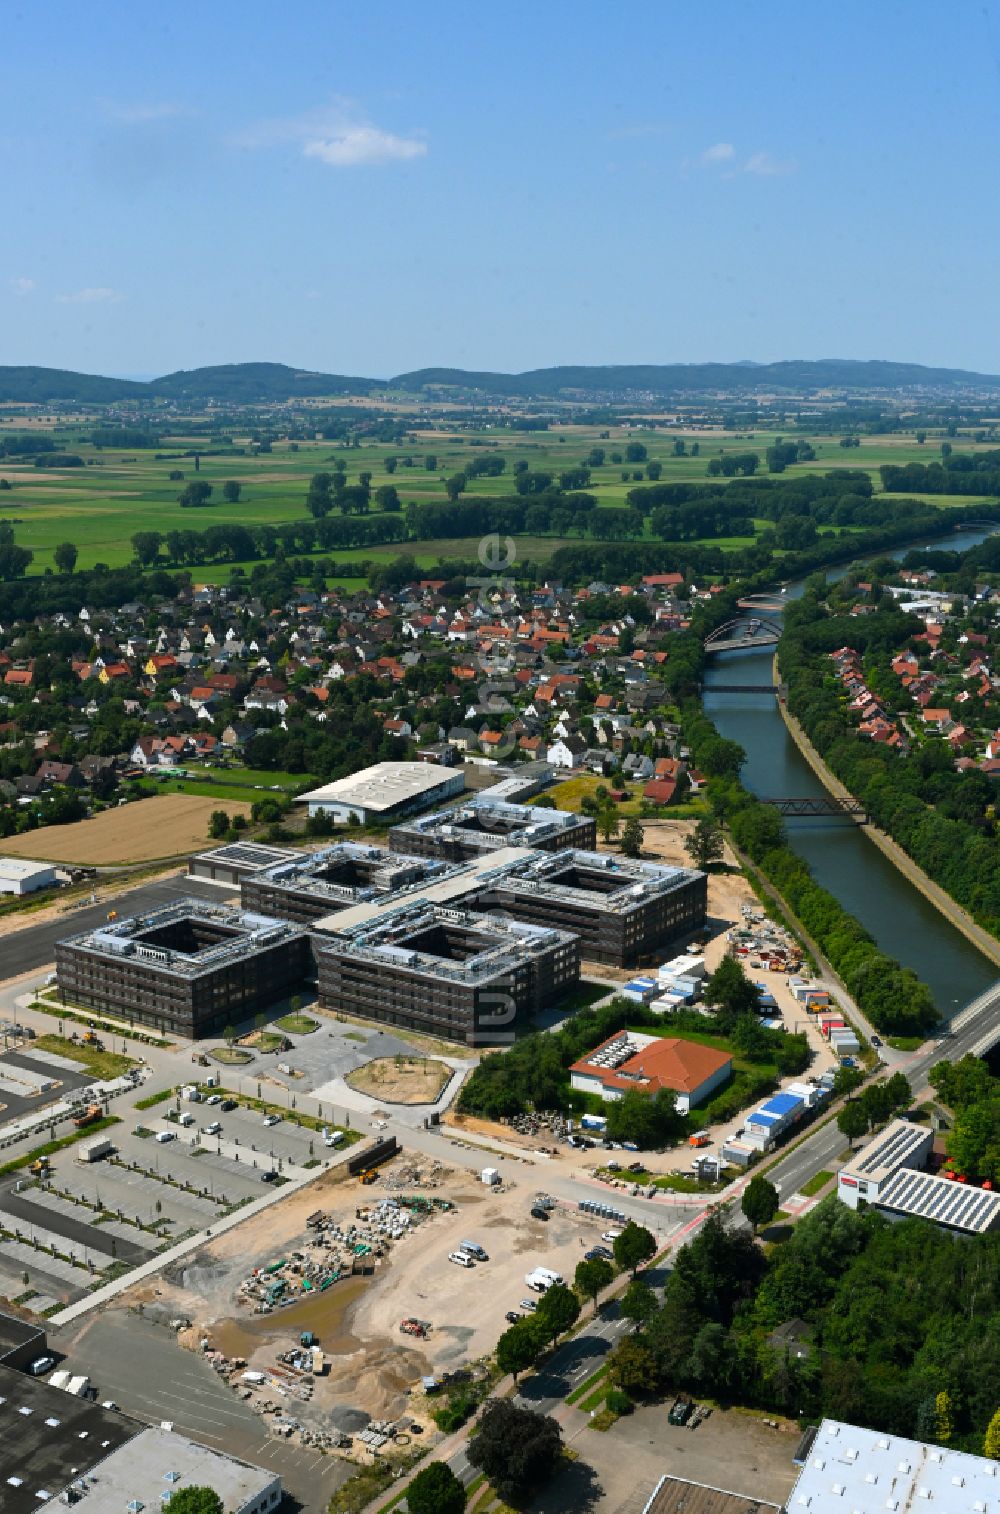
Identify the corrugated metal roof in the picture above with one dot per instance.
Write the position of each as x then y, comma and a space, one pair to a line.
957, 1205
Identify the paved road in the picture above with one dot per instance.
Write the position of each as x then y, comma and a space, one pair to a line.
34, 946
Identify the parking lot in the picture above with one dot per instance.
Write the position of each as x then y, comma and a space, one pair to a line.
30, 1079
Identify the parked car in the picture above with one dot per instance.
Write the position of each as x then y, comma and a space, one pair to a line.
163, 1136
214, 1098
227, 1105
512, 1316
269, 1177
530, 1304
610, 1236
461, 1258
41, 1365
681, 1410
272, 1119
876, 1041
214, 1129
538, 1213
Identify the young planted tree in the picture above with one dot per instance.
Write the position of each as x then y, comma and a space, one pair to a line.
852, 1121
558, 1311
638, 1303
520, 1347
704, 845
632, 838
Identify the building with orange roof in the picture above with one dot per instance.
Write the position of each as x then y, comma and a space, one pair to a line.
629, 1060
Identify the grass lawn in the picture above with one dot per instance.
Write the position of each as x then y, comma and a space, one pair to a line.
815, 1183
101, 1064
297, 1025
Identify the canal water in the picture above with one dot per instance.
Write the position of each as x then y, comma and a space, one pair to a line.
901, 920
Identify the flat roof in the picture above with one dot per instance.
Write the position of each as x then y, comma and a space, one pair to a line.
626, 1060
513, 823
943, 1200
242, 934
460, 880
49, 1438
889, 1151
248, 854
385, 785
390, 872
675, 1495
159, 1462
853, 1469
15, 1333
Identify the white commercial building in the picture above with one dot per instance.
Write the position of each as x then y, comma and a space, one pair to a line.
143, 1473
900, 1146
849, 1470
18, 876
387, 791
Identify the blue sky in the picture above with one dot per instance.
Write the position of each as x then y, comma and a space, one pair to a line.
369, 188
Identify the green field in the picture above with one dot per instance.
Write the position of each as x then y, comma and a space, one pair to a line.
100, 506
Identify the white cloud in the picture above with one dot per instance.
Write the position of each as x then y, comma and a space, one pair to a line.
766, 166
719, 152
91, 297
336, 134
352, 146
143, 110
23, 286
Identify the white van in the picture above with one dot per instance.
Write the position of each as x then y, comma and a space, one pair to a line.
540, 1281
460, 1258
185, 1119
553, 1277
163, 1136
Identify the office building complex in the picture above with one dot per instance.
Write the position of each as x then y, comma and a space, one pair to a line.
485, 824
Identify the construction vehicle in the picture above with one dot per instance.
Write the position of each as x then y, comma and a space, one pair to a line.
417, 1327
367, 1177
90, 1038
307, 1338
87, 1116
40, 1167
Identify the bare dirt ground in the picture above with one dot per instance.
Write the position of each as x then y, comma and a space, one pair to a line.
165, 826
372, 1366
401, 1080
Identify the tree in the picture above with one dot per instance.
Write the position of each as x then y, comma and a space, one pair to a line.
944, 1417
634, 1246
592, 1276
852, 1121
430, 462
991, 1443
608, 822
196, 1500
558, 1310
704, 845
632, 838
759, 1202
515, 1449
146, 546
730, 990
231, 491
648, 1120
435, 1490
638, 1303
520, 1347
65, 556
455, 485
194, 495
319, 499
229, 1034
218, 824
632, 1366
388, 497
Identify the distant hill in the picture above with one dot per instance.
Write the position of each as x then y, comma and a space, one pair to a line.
41, 385
247, 383
699, 378
266, 383
231, 383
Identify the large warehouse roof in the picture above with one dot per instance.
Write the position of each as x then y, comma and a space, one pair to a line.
957, 1205
850, 1469
384, 786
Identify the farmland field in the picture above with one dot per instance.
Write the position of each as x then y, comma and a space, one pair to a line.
145, 831
119, 492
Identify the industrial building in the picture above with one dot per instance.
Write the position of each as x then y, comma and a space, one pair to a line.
623, 910
188, 968
678, 1495
849, 1469
313, 884
385, 792
229, 865
959, 1207
59, 1446
630, 1060
486, 824
446, 972
159, 1462
898, 1147
19, 876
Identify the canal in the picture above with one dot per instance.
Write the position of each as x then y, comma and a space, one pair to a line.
901, 920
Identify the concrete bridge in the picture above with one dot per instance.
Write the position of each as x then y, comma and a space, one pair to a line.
736, 634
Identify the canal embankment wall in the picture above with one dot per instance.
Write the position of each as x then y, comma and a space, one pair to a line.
932, 892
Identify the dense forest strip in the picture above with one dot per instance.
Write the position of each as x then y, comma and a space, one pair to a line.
939, 897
